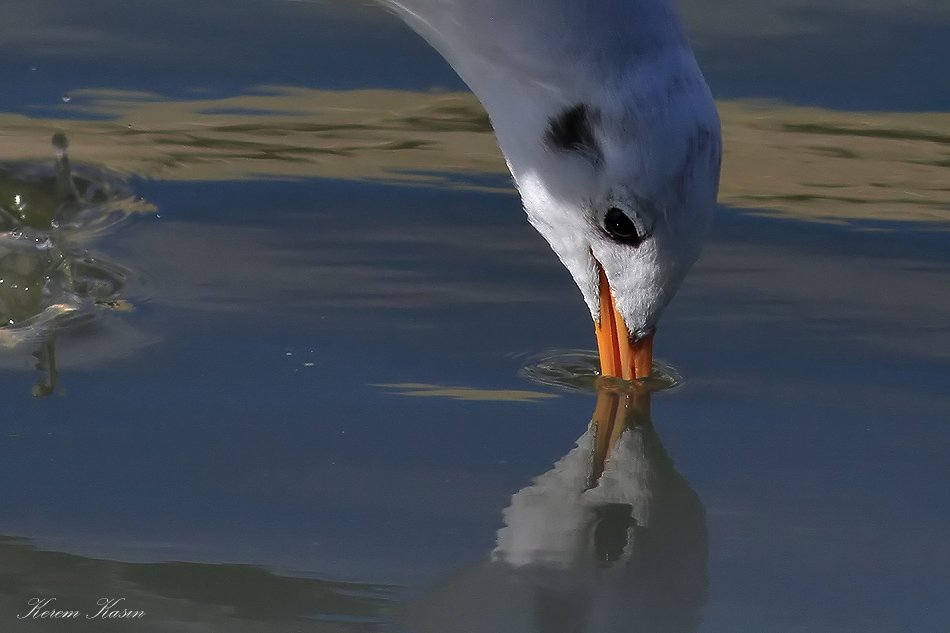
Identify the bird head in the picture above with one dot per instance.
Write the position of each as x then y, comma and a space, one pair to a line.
611, 135
622, 185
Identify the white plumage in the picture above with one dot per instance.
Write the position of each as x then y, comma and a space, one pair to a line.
599, 108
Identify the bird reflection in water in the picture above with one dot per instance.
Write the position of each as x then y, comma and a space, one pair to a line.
612, 538
47, 279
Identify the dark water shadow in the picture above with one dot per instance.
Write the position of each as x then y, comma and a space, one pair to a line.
177, 596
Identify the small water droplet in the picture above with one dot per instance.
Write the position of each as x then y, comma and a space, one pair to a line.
60, 141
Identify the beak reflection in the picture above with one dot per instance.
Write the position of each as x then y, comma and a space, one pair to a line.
614, 413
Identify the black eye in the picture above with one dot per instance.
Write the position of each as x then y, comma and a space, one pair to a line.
620, 227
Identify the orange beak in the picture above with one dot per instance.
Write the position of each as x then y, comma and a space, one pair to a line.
619, 356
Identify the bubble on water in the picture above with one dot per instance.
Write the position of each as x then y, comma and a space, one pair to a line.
578, 370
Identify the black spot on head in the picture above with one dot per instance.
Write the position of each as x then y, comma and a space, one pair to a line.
572, 131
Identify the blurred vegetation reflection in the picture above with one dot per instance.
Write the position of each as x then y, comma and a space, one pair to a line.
807, 163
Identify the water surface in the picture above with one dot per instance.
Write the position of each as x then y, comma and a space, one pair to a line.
312, 414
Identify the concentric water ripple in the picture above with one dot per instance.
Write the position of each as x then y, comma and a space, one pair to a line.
578, 370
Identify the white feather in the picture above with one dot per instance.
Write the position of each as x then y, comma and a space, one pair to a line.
628, 62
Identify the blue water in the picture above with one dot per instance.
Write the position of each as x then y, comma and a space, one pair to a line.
226, 455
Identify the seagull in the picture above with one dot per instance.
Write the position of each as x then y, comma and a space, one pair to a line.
612, 138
